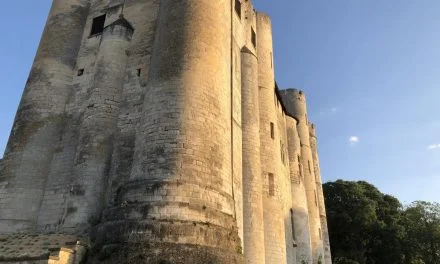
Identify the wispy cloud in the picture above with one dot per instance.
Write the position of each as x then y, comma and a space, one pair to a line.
353, 140
329, 111
434, 146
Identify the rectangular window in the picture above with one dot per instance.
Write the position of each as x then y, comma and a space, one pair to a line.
138, 72
272, 130
238, 8
254, 38
98, 25
80, 72
271, 185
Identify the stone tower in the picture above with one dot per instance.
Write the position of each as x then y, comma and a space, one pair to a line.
153, 131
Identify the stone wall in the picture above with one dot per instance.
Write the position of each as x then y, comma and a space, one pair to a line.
164, 139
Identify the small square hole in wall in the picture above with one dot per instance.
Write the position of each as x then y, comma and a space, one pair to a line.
80, 72
138, 72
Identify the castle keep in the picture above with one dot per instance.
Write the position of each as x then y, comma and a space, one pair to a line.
153, 131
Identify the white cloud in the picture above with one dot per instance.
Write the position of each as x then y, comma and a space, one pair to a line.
353, 140
434, 146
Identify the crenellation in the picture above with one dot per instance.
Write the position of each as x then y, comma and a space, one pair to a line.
165, 140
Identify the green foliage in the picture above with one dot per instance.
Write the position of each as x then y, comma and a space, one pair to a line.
369, 227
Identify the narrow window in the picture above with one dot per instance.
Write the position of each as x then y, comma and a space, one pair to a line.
310, 168
138, 72
271, 185
281, 151
316, 199
238, 8
98, 25
254, 38
80, 72
272, 130
292, 221
271, 60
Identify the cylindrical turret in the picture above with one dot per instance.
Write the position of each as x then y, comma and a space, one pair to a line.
40, 115
321, 201
299, 214
99, 125
252, 186
178, 205
274, 231
295, 102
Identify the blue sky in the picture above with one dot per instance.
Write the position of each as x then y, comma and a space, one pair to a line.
370, 69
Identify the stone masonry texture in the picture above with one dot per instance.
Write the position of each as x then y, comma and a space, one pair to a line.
153, 131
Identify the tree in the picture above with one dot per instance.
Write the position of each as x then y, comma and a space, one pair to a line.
422, 223
369, 227
364, 224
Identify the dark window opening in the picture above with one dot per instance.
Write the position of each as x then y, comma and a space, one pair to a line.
310, 168
80, 72
272, 130
138, 72
292, 221
238, 8
271, 185
316, 199
98, 25
254, 38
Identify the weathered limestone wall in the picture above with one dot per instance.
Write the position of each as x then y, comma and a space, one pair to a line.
165, 142
40, 116
99, 126
300, 212
275, 246
285, 183
58, 205
252, 180
321, 203
296, 105
180, 194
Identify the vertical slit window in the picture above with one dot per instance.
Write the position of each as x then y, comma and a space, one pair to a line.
271, 60
272, 130
316, 199
238, 8
292, 221
271, 185
98, 25
138, 72
310, 168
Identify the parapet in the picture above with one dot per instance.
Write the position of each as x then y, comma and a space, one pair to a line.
295, 102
